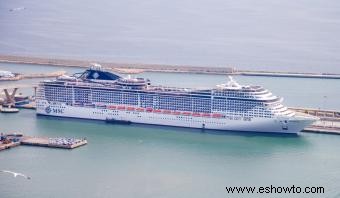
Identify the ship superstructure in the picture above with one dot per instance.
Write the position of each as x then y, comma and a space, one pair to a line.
103, 95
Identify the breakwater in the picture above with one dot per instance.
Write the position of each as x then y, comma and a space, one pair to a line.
139, 67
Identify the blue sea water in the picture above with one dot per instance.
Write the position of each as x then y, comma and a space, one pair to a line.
279, 35
147, 161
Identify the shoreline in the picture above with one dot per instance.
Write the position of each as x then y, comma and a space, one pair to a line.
138, 68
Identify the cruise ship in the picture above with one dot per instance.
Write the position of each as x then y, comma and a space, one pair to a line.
103, 95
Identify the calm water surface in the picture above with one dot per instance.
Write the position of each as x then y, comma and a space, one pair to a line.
300, 35
144, 161
148, 161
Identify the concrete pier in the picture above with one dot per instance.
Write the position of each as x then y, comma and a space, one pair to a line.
53, 143
15, 139
329, 120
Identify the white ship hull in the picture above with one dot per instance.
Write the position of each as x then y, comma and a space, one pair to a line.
270, 125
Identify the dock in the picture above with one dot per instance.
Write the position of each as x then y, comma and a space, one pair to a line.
65, 143
329, 120
15, 139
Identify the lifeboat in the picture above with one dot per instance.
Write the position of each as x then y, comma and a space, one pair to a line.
140, 109
196, 114
157, 111
121, 107
167, 111
176, 113
149, 109
111, 107
130, 108
216, 115
186, 113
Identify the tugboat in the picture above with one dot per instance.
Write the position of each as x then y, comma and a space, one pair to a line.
8, 109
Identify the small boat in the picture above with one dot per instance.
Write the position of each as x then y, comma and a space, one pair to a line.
115, 121
9, 110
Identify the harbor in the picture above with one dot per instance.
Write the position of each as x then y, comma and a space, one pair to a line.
11, 140
284, 54
329, 122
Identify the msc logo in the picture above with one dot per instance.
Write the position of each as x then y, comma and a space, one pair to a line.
48, 109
